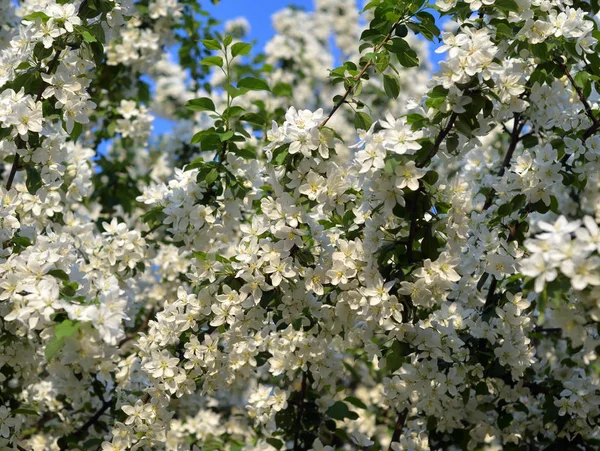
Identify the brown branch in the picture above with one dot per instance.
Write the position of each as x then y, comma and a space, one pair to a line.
590, 131
514, 140
300, 411
153, 229
94, 419
13, 172
489, 300
78, 434
140, 328
413, 228
356, 78
399, 426
439, 140
580, 94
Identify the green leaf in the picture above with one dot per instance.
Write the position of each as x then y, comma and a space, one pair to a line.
59, 274
507, 5
76, 132
254, 84
275, 443
212, 175
66, 329
212, 61
439, 92
211, 44
355, 402
406, 56
53, 347
396, 355
87, 36
391, 85
225, 136
233, 111
362, 121
282, 89
254, 119
37, 15
25, 411
154, 215
34, 180
240, 48
200, 104
340, 411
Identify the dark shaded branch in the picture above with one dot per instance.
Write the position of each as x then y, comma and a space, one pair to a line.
439, 140
141, 328
591, 130
399, 426
580, 94
13, 172
300, 411
93, 420
514, 140
489, 300
356, 78
413, 228
153, 229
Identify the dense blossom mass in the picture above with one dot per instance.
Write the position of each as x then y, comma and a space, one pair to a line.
316, 255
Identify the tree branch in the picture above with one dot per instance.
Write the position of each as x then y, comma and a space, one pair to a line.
413, 228
588, 110
399, 426
439, 140
514, 140
93, 420
141, 328
300, 411
356, 78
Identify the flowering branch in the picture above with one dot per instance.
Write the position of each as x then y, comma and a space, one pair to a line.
514, 140
356, 78
439, 140
20, 143
141, 328
580, 94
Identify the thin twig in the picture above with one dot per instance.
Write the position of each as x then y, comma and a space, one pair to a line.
580, 94
413, 228
356, 78
93, 420
141, 328
514, 140
399, 426
154, 228
439, 140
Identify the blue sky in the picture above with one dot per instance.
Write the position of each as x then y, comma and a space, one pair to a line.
257, 12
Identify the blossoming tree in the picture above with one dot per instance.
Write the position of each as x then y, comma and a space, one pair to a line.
317, 255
